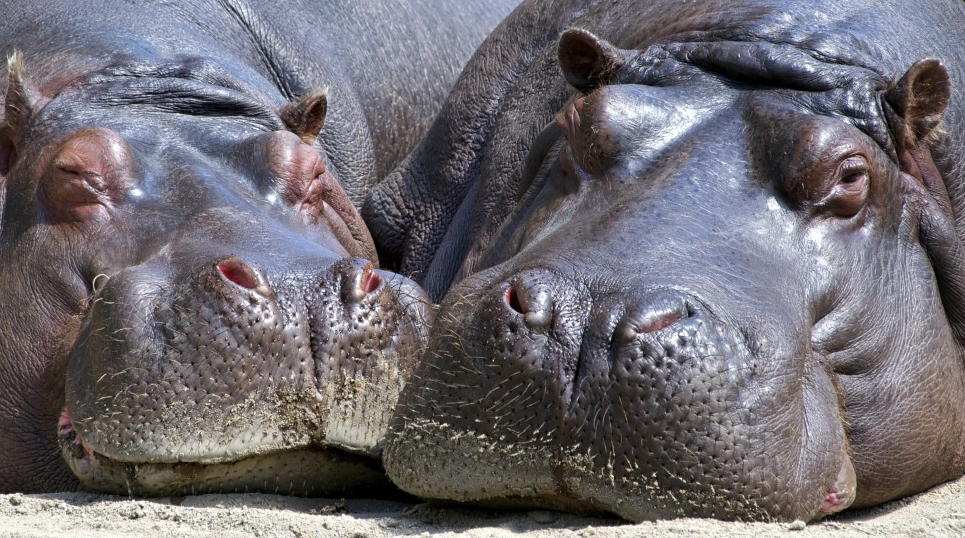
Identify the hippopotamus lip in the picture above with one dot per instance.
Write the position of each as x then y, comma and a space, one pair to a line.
307, 471
302, 472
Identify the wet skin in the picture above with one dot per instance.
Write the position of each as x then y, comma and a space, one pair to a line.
709, 265
192, 302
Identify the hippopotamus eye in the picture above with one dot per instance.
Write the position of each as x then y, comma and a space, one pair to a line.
849, 193
827, 172
88, 174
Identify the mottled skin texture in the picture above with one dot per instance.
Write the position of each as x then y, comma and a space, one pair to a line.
191, 300
697, 258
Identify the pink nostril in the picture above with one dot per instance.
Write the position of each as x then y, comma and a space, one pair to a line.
659, 322
372, 281
358, 279
512, 299
238, 273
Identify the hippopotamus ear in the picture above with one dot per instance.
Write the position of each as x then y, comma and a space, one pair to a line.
919, 98
918, 101
306, 116
21, 102
587, 61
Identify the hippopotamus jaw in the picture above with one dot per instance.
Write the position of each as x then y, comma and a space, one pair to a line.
312, 471
309, 471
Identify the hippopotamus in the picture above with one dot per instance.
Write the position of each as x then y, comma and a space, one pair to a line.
192, 302
695, 259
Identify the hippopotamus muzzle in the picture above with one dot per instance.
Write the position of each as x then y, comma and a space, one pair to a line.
240, 378
567, 381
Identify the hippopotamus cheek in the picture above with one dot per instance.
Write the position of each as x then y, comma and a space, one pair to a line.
700, 425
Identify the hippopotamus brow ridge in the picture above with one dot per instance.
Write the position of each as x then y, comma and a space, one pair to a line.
187, 96
831, 86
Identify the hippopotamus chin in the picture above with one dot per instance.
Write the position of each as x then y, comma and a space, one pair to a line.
695, 260
192, 301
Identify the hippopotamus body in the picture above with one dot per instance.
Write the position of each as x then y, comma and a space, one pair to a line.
191, 300
697, 258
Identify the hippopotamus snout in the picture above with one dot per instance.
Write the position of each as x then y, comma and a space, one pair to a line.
632, 390
293, 362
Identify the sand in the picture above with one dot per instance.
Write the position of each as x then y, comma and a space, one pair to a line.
938, 512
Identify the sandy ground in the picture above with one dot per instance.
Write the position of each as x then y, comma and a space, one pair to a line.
939, 512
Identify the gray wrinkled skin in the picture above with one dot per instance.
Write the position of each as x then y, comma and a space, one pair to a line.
694, 260
191, 300
224, 376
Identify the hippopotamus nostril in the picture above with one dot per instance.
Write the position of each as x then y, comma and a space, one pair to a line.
359, 279
241, 274
656, 312
512, 299
531, 297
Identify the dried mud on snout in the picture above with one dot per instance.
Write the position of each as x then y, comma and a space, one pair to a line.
938, 512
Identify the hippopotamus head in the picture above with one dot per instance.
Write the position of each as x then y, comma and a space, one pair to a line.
200, 295
717, 290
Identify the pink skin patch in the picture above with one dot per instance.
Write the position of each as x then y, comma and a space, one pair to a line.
65, 428
660, 323
835, 502
843, 493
